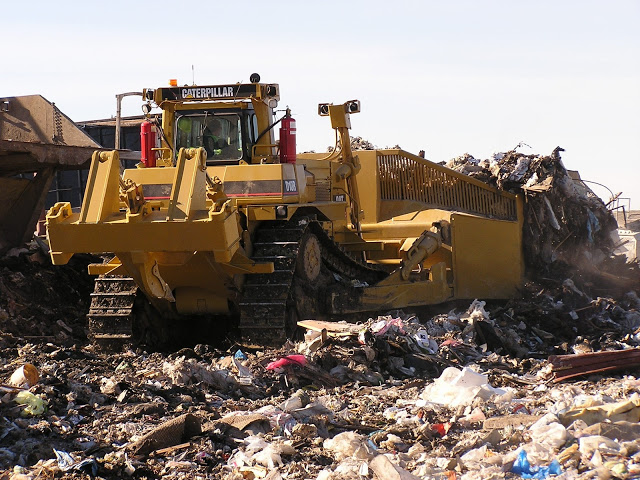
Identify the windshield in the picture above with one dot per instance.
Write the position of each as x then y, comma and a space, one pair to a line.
220, 135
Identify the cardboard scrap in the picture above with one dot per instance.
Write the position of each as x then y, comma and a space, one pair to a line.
510, 421
243, 421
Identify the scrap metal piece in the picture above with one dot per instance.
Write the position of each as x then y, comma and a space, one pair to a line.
565, 367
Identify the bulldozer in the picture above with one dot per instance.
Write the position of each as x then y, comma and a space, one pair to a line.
221, 220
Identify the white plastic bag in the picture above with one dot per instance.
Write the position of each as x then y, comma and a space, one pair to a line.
349, 444
459, 387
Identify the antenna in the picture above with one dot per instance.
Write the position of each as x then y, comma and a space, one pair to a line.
193, 75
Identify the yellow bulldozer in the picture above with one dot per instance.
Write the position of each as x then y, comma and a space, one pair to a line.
221, 221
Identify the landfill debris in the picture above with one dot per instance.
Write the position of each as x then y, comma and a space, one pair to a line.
390, 422
245, 420
459, 388
625, 410
332, 328
357, 143
523, 468
466, 390
33, 404
25, 376
350, 445
169, 433
383, 467
66, 462
287, 360
568, 230
509, 421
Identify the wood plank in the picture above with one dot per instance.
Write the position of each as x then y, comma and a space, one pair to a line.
334, 329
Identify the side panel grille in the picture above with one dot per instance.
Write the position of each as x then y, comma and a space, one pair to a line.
323, 191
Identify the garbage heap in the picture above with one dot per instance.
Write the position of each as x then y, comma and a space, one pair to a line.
568, 231
357, 143
42, 302
391, 398
542, 385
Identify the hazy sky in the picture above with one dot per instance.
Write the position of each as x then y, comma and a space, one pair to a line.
449, 77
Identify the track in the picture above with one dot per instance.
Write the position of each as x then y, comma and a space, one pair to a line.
111, 312
307, 262
120, 315
265, 308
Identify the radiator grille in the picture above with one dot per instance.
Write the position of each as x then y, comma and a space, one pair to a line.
404, 177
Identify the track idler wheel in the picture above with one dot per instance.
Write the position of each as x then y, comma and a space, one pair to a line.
309, 258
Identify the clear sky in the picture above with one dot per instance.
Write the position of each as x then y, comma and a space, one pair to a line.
449, 77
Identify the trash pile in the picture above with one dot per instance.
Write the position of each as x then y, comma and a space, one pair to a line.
568, 231
357, 143
40, 302
540, 386
393, 397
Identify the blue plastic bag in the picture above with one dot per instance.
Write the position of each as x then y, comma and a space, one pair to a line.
523, 468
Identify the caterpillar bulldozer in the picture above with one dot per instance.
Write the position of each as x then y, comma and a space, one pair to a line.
221, 221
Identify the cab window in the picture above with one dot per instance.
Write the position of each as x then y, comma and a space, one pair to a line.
220, 135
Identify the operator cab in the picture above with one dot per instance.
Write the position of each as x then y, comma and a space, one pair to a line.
227, 136
233, 123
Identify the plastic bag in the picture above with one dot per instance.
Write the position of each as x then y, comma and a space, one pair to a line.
553, 434
288, 360
34, 404
271, 456
459, 387
350, 444
66, 463
522, 467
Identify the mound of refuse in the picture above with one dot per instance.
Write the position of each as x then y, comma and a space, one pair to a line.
539, 386
568, 230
